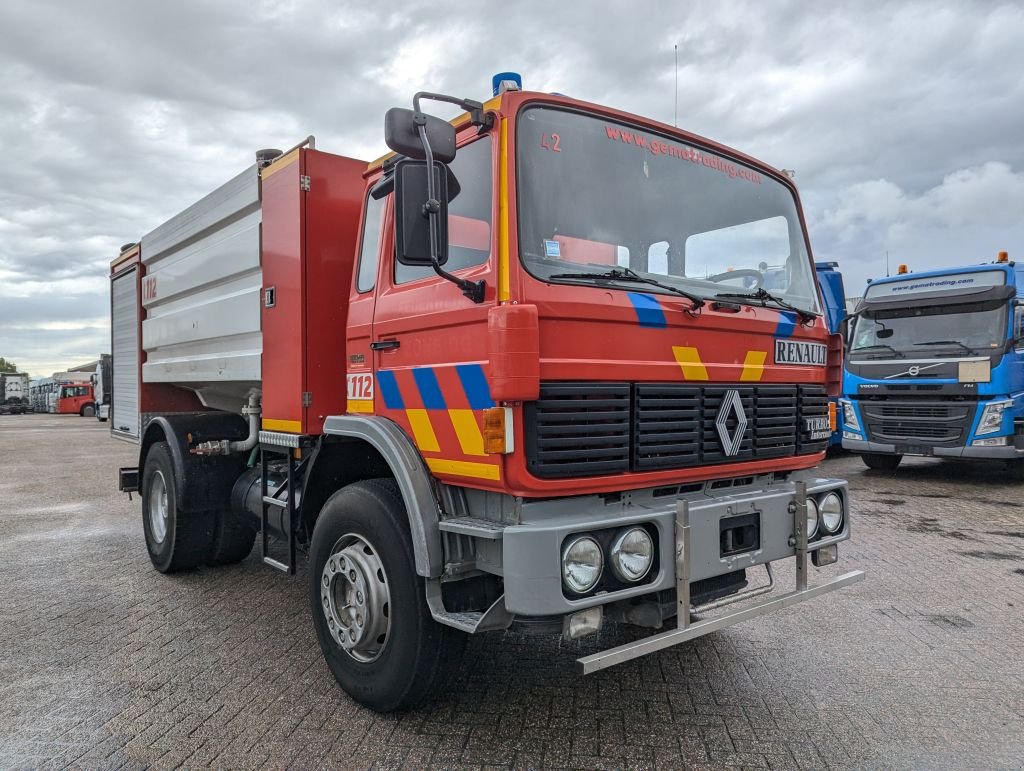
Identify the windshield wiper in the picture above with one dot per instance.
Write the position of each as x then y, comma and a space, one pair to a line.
628, 274
765, 297
877, 345
948, 342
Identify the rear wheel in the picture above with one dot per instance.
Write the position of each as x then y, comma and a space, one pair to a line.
368, 604
176, 540
234, 540
879, 462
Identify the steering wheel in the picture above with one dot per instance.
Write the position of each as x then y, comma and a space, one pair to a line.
757, 275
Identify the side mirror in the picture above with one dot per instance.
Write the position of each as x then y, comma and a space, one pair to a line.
401, 134
844, 329
412, 220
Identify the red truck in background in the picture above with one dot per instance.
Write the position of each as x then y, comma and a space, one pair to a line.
75, 398
522, 372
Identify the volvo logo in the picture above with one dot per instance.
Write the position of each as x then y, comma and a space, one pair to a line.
732, 406
913, 371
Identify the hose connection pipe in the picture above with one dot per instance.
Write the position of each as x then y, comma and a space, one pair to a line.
251, 410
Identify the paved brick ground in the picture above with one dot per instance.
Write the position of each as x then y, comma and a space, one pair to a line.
105, 663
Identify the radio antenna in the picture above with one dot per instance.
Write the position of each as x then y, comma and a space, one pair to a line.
675, 114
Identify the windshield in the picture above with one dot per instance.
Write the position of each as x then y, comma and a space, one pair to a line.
949, 330
595, 195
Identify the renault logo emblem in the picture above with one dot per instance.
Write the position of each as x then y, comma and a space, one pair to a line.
732, 406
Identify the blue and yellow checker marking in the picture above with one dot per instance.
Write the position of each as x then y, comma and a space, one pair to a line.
648, 312
424, 397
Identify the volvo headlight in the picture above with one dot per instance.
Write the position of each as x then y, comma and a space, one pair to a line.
992, 417
582, 564
812, 518
849, 415
831, 511
632, 554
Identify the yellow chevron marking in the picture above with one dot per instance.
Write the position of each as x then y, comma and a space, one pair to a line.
468, 431
463, 468
689, 360
753, 366
423, 431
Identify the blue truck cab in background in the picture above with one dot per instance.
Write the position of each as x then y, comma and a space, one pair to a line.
935, 367
834, 295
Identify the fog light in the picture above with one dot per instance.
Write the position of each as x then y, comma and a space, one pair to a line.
831, 510
851, 435
581, 623
826, 555
632, 554
812, 518
582, 564
995, 441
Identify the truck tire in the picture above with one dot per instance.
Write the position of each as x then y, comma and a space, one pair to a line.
176, 540
234, 540
363, 588
879, 462
88, 411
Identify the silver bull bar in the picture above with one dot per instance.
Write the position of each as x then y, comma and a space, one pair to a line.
686, 628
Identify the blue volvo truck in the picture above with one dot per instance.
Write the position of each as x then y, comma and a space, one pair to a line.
834, 295
935, 367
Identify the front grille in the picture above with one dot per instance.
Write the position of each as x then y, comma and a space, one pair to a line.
581, 429
910, 422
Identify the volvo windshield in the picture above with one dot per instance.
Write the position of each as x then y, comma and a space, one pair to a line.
596, 197
968, 329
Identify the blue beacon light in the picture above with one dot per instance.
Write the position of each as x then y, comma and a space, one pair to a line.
506, 81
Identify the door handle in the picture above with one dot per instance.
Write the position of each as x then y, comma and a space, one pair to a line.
383, 345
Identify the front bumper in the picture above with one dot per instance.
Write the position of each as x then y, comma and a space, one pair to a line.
531, 551
1006, 452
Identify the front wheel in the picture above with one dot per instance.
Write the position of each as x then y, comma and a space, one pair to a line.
88, 411
368, 604
880, 462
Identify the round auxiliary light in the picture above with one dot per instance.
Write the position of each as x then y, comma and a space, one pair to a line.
831, 508
582, 564
632, 554
812, 518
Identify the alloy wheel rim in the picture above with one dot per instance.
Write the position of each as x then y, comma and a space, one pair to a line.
355, 598
158, 507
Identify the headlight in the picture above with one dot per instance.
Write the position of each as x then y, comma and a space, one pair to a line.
849, 415
582, 564
992, 417
831, 511
812, 518
632, 554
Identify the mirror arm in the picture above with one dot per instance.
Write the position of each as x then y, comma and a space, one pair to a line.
474, 290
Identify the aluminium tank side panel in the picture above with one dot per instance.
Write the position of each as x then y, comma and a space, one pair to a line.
124, 330
201, 291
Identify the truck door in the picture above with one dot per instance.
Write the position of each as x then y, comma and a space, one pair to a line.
373, 233
430, 341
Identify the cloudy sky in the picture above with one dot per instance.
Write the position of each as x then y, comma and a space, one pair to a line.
903, 121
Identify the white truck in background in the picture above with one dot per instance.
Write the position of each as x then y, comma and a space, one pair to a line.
101, 386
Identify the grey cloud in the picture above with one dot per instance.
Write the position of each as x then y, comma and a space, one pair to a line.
115, 115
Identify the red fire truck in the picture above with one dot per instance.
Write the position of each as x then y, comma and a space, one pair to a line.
522, 372
75, 398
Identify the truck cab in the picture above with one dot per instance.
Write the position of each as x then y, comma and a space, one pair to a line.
934, 367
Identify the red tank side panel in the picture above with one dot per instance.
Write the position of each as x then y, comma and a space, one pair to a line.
284, 340
333, 206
